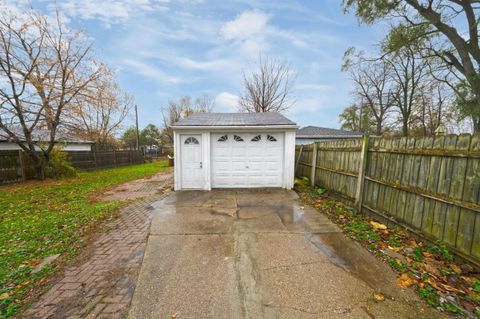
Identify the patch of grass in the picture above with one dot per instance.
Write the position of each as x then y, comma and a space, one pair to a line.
417, 254
395, 240
476, 286
397, 265
361, 230
38, 219
452, 308
441, 250
430, 296
319, 191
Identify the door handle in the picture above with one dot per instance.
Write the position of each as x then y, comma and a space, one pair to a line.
201, 165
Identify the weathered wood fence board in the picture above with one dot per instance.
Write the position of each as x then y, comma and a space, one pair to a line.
16, 166
429, 185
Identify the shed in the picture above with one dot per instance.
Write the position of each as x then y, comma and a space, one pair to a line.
310, 134
234, 150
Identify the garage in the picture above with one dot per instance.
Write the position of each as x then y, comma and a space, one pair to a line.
234, 150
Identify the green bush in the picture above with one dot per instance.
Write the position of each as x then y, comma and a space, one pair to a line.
58, 166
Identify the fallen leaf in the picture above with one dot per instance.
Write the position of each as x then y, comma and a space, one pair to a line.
378, 297
456, 269
378, 226
434, 284
405, 281
427, 254
470, 280
395, 249
451, 289
432, 269
5, 295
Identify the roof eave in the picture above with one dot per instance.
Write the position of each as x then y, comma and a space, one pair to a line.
236, 127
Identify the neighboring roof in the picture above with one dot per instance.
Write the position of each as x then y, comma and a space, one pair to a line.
234, 119
43, 135
324, 132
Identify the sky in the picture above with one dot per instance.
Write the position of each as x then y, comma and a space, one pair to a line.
162, 50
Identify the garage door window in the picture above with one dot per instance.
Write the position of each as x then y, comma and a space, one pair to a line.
223, 138
271, 138
237, 138
256, 138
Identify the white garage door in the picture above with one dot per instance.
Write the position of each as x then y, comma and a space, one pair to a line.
247, 160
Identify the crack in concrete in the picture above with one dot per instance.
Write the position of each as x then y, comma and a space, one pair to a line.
191, 234
295, 265
335, 311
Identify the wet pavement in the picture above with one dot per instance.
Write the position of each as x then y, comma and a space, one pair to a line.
259, 254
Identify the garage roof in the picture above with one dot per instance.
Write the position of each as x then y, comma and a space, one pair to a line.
234, 119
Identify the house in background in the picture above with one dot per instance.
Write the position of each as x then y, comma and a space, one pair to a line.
310, 134
67, 142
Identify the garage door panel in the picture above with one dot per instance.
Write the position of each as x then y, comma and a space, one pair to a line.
247, 163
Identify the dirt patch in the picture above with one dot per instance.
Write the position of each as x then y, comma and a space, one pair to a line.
159, 183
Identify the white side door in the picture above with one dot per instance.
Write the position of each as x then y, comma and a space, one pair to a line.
192, 166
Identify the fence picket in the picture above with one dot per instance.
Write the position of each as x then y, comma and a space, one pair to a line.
430, 185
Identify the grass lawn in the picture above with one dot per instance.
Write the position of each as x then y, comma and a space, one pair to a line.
39, 219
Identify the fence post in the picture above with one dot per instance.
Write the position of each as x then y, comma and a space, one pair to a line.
298, 160
94, 153
115, 158
361, 173
314, 165
22, 165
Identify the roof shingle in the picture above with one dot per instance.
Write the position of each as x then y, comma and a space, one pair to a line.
234, 119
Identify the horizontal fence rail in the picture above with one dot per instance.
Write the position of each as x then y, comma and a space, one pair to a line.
16, 166
429, 185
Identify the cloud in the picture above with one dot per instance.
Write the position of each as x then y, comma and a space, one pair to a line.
150, 71
110, 11
247, 31
228, 102
246, 25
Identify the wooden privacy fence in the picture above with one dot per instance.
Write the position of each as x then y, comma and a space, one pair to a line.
429, 185
16, 166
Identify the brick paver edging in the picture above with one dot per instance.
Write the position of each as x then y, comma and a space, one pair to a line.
103, 285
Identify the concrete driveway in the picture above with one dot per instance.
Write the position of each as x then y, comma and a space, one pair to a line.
259, 254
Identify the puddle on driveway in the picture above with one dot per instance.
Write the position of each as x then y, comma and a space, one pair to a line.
353, 258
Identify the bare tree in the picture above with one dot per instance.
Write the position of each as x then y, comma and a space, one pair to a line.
373, 81
204, 104
269, 88
99, 110
43, 67
409, 72
433, 109
177, 110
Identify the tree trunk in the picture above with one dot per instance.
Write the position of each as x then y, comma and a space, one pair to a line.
39, 164
405, 128
476, 125
378, 131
